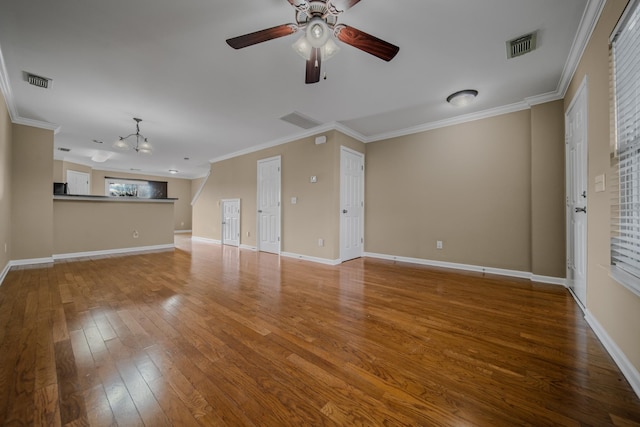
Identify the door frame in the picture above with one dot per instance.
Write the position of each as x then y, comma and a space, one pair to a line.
222, 223
279, 223
343, 150
570, 241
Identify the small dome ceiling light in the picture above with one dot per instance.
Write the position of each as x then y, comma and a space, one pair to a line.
462, 98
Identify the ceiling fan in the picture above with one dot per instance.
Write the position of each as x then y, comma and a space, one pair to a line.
318, 18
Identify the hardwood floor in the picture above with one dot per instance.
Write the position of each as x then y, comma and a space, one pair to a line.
209, 335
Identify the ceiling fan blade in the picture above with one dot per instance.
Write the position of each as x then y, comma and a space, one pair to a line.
366, 42
342, 5
313, 67
262, 36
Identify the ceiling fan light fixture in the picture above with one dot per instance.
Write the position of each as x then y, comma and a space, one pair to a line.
303, 47
462, 97
329, 49
317, 32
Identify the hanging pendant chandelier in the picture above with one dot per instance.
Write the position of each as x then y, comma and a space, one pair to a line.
135, 141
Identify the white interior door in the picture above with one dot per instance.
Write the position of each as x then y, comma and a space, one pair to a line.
269, 205
77, 182
576, 191
231, 222
351, 204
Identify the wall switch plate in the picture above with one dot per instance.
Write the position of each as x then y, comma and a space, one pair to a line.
321, 242
438, 244
313, 179
294, 200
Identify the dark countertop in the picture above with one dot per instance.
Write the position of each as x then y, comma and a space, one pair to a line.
92, 198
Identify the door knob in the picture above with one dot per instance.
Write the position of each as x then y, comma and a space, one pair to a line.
344, 211
583, 210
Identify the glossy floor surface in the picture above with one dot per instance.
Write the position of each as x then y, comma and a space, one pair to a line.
209, 335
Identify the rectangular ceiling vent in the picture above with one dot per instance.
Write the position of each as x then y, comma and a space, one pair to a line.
300, 120
521, 45
39, 81
66, 150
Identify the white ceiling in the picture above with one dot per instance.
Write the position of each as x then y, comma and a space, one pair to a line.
167, 62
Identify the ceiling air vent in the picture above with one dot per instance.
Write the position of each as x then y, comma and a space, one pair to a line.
39, 81
300, 120
521, 45
66, 150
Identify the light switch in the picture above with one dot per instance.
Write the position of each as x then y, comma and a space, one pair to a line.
600, 185
313, 179
294, 200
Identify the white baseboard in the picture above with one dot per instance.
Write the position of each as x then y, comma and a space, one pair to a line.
628, 370
205, 240
311, 258
561, 281
114, 251
4, 272
469, 267
31, 261
219, 242
182, 231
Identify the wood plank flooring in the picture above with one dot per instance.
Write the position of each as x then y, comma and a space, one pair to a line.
209, 336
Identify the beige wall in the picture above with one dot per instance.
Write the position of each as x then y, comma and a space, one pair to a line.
5, 184
612, 305
176, 187
61, 167
86, 226
314, 216
468, 185
31, 196
547, 190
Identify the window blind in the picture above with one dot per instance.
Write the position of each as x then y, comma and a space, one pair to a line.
625, 239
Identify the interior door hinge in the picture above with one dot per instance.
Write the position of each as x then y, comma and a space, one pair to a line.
362, 240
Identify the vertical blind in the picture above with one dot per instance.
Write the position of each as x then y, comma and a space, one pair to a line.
625, 239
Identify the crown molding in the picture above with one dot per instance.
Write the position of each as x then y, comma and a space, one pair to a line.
5, 86
587, 25
38, 124
311, 132
498, 111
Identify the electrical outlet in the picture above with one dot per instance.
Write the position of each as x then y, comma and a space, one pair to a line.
438, 244
320, 242
136, 234
248, 234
